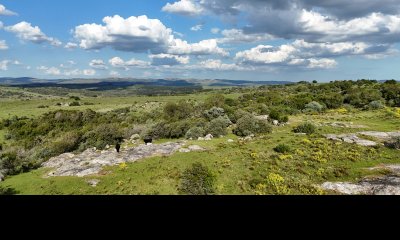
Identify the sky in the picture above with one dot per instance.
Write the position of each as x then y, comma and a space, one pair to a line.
282, 40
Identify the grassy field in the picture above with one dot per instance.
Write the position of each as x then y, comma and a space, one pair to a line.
240, 167
30, 108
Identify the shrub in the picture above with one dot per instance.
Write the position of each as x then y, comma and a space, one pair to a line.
307, 128
248, 125
101, 136
394, 143
177, 111
7, 191
282, 148
313, 107
238, 114
374, 105
278, 115
75, 98
197, 180
66, 143
74, 104
217, 100
10, 163
195, 133
217, 127
214, 113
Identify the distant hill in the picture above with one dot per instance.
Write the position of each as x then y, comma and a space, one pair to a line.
127, 82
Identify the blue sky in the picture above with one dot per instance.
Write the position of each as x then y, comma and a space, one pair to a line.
232, 39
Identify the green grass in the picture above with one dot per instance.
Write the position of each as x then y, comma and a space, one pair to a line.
238, 166
29, 108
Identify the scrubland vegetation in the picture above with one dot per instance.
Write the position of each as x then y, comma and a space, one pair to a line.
283, 153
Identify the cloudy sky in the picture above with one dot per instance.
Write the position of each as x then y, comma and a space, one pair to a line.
232, 39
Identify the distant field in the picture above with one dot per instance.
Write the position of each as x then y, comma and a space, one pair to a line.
30, 108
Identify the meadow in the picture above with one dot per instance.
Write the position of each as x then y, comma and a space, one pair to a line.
276, 162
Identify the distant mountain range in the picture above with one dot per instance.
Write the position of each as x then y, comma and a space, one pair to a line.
126, 82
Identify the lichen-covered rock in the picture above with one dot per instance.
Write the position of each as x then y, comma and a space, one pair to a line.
92, 162
385, 185
351, 138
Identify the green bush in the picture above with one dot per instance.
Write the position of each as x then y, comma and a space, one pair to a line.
375, 105
394, 143
74, 104
197, 180
214, 113
178, 111
279, 116
195, 133
282, 148
314, 107
218, 126
249, 125
307, 128
101, 136
7, 191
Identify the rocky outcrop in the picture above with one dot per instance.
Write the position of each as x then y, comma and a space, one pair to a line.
351, 138
385, 185
92, 161
381, 135
357, 137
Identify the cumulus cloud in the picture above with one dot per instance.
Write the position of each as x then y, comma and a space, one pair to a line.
54, 71
4, 65
197, 28
118, 62
238, 36
140, 34
98, 64
215, 30
50, 70
26, 32
284, 55
218, 65
5, 12
314, 20
168, 60
3, 45
183, 7
71, 45
205, 47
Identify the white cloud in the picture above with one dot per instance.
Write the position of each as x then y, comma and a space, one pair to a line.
71, 45
238, 36
3, 45
184, 7
265, 54
66, 72
205, 47
322, 63
140, 34
89, 72
135, 34
216, 64
4, 65
168, 60
197, 28
25, 31
284, 55
69, 64
5, 12
117, 62
215, 30
98, 64
114, 74
50, 70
